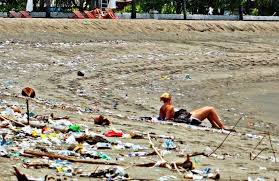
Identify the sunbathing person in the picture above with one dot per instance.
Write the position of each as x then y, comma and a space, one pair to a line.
194, 117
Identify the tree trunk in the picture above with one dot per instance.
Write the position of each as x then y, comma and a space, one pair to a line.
178, 6
47, 8
184, 9
42, 2
134, 13
240, 12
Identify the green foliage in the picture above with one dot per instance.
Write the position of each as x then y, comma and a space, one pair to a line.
16, 5
168, 9
255, 12
127, 8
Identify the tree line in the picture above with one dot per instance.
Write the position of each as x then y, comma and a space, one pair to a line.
219, 7
249, 7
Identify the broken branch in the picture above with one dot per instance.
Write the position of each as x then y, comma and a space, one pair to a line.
226, 137
69, 158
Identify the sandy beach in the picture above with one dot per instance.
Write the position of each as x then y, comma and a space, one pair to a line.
232, 66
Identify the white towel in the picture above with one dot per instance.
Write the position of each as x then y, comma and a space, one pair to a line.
29, 5
112, 4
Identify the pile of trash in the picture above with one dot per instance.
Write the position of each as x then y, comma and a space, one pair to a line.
58, 143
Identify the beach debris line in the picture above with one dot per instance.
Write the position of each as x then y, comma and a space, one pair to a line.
57, 142
62, 144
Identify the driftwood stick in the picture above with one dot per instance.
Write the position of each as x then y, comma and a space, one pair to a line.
27, 155
258, 143
175, 166
197, 154
16, 122
149, 164
274, 154
258, 153
36, 165
256, 147
155, 149
19, 175
164, 162
69, 158
225, 137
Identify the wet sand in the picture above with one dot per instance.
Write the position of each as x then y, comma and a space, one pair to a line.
233, 67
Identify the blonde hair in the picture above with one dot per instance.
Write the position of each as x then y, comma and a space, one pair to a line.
165, 96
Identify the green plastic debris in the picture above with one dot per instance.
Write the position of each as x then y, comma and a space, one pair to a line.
103, 156
14, 154
74, 128
31, 114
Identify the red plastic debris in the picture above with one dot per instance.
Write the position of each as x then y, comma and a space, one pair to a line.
113, 133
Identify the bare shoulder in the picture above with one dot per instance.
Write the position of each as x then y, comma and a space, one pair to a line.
170, 107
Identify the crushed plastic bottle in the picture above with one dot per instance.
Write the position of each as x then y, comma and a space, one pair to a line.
101, 145
257, 179
8, 112
188, 77
206, 170
168, 144
119, 171
207, 151
167, 178
71, 140
137, 154
27, 130
103, 156
3, 151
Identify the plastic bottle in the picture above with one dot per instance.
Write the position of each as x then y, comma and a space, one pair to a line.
71, 140
137, 154
101, 145
103, 156
168, 144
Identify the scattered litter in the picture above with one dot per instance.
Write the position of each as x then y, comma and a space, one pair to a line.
113, 173
188, 77
74, 128
101, 120
114, 104
80, 73
101, 145
137, 154
64, 142
205, 173
113, 133
168, 144
257, 179
167, 178
262, 168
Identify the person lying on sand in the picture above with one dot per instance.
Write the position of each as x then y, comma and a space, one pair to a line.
194, 117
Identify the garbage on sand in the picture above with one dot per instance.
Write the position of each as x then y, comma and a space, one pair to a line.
113, 133
168, 144
59, 143
101, 120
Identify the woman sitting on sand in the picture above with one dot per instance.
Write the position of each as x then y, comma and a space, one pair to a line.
194, 117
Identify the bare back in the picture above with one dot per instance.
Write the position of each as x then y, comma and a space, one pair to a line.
167, 112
